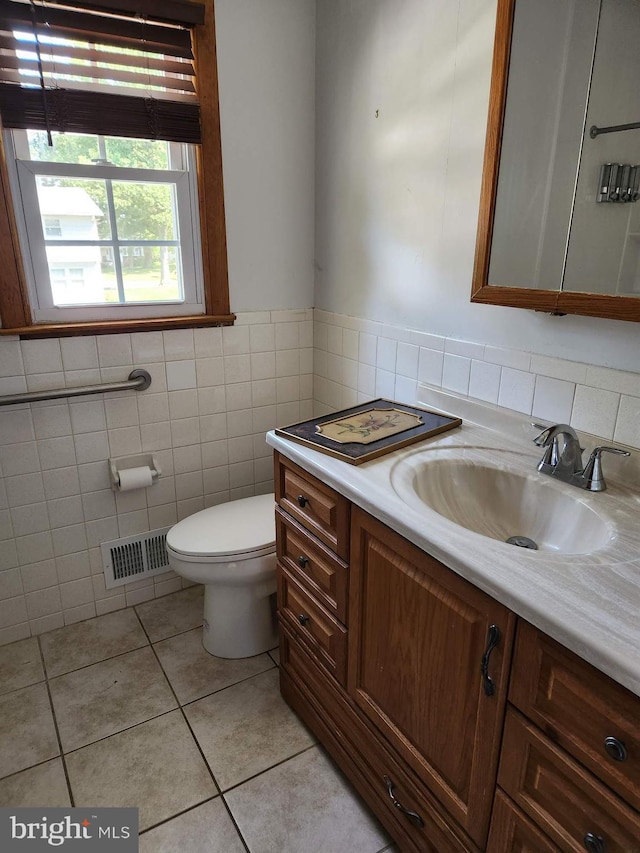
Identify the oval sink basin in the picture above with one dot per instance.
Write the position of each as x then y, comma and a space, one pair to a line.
502, 504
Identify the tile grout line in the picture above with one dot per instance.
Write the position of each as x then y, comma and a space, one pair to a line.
225, 791
119, 732
31, 766
24, 686
229, 686
180, 813
267, 769
193, 735
184, 716
97, 662
202, 755
235, 823
55, 724
127, 728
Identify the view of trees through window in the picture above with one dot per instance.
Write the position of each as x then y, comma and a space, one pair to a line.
138, 216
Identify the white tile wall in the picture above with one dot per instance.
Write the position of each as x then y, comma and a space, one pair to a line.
215, 392
597, 400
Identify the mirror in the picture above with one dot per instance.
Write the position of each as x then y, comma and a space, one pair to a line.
559, 224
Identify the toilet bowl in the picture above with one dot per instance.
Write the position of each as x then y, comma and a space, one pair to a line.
230, 548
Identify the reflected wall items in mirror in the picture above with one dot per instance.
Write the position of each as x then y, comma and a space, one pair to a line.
565, 77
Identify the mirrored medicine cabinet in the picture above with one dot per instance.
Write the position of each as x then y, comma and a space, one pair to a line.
559, 221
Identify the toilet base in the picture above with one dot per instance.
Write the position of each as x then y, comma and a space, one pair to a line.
240, 621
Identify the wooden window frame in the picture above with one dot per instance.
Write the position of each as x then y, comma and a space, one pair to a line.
15, 311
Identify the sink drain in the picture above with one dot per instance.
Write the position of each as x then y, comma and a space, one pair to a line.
522, 542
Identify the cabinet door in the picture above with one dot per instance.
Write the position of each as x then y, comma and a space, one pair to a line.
418, 634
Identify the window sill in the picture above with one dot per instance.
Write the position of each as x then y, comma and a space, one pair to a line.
113, 327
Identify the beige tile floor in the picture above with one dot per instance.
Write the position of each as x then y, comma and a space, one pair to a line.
128, 709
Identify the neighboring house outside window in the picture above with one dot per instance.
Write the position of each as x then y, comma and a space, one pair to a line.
75, 271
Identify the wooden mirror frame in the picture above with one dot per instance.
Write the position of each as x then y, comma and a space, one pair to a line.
549, 301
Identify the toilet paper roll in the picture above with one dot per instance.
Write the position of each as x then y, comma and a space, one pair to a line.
135, 478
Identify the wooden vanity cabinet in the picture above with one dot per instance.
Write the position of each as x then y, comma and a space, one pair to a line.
409, 699
402, 669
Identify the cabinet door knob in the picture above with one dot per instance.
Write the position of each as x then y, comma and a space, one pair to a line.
615, 749
594, 843
303, 561
414, 817
302, 619
302, 501
493, 638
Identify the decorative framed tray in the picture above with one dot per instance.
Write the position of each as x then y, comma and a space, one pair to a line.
368, 430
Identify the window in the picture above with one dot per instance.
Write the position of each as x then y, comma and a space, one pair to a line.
106, 150
126, 211
52, 227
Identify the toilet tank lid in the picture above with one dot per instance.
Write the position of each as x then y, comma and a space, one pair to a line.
236, 527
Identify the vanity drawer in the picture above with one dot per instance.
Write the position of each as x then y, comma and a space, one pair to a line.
317, 507
421, 816
579, 708
560, 796
313, 624
317, 568
513, 832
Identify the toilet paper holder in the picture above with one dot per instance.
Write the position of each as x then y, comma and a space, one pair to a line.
126, 463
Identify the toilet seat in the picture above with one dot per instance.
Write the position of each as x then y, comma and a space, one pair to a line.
239, 530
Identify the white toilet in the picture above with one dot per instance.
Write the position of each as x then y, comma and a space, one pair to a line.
230, 548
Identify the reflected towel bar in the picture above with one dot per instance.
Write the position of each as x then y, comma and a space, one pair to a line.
614, 128
138, 380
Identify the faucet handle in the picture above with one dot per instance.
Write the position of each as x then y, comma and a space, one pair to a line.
597, 452
593, 469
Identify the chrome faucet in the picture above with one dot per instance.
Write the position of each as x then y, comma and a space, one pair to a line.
564, 462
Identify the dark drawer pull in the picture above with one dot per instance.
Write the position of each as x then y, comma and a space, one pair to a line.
303, 561
493, 638
594, 843
302, 619
414, 817
615, 749
302, 501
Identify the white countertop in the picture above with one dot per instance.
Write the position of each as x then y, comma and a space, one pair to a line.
589, 602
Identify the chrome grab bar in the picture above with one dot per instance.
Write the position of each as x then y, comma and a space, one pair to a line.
138, 380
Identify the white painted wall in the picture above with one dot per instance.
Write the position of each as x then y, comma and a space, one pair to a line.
266, 66
397, 194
